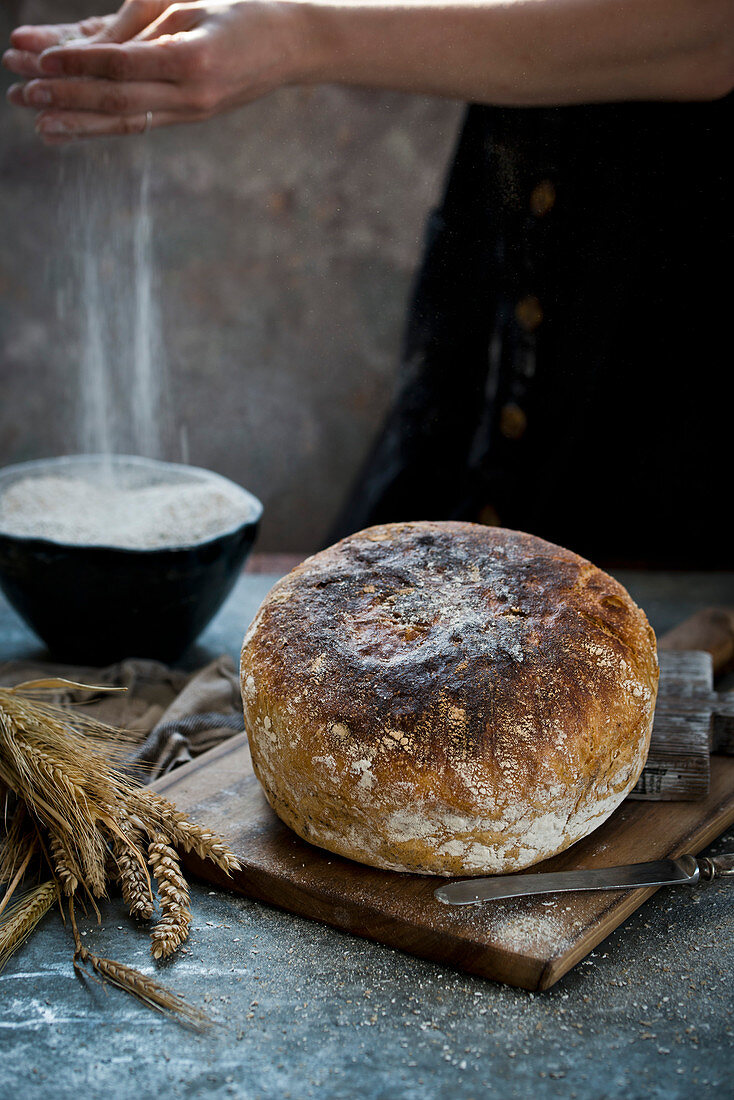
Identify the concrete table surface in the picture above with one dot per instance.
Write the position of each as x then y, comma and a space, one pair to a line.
306, 1011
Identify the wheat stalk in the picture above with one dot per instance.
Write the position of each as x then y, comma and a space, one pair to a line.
22, 918
42, 749
14, 848
17, 878
88, 821
64, 779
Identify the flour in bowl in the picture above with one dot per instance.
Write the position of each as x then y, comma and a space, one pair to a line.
79, 512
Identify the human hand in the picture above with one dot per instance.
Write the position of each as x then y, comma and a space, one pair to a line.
154, 63
29, 42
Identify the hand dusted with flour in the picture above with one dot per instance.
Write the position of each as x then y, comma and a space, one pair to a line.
447, 698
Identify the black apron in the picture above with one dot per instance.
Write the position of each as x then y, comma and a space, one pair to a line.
567, 366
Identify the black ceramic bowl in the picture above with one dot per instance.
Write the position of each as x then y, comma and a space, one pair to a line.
97, 604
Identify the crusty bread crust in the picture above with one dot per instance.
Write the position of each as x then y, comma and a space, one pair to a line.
447, 698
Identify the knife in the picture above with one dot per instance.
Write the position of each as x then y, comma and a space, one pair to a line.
685, 871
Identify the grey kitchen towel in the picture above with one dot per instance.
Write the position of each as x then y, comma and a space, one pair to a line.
172, 716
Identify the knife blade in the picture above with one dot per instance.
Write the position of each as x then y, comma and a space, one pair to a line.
686, 870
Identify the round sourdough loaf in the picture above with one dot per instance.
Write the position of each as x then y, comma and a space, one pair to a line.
447, 698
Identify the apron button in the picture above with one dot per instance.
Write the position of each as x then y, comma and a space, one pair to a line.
542, 198
489, 516
513, 421
529, 313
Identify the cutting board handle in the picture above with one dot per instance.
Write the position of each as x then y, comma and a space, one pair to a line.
711, 629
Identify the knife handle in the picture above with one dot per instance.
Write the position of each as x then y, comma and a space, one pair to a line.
717, 866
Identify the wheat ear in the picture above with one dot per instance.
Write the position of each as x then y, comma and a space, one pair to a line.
64, 862
22, 918
184, 833
53, 776
134, 879
150, 992
173, 927
130, 980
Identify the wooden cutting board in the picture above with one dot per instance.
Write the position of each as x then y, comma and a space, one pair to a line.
526, 942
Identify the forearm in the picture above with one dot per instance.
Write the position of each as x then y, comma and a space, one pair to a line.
524, 52
157, 64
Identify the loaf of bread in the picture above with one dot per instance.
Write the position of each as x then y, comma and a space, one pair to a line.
447, 698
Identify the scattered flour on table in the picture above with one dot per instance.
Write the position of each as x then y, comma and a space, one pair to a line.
82, 513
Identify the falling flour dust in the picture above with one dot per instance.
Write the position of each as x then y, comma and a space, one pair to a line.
122, 396
122, 392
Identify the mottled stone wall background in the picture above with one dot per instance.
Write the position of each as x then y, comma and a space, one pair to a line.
287, 234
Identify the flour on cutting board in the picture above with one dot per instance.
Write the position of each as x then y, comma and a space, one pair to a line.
523, 925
